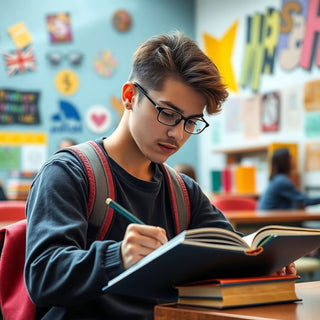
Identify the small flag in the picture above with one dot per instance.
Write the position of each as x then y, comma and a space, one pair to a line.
20, 61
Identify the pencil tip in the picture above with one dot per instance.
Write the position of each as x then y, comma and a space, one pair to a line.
108, 200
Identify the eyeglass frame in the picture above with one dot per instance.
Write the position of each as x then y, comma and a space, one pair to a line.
182, 117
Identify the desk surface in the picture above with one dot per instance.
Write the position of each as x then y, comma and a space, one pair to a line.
308, 309
256, 216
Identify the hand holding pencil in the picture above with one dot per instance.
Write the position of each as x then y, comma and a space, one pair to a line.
139, 239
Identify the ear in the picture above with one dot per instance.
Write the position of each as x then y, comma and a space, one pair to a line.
128, 92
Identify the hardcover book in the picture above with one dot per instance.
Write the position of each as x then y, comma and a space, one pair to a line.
208, 253
236, 292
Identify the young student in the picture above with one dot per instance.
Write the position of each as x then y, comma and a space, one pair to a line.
172, 83
281, 192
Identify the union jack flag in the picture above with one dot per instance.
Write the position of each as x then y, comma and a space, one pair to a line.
20, 61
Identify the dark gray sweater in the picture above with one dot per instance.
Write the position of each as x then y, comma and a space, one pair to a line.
64, 271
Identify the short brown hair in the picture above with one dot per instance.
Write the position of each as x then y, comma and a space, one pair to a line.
178, 56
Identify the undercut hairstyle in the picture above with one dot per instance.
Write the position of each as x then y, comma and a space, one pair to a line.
177, 56
280, 162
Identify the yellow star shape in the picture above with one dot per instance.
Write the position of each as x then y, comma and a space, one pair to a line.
220, 52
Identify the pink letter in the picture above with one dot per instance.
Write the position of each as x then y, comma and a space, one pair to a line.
312, 30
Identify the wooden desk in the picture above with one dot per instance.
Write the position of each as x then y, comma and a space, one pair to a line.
308, 309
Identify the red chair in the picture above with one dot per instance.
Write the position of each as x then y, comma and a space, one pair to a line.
234, 203
12, 210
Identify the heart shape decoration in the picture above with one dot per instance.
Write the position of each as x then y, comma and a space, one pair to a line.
98, 119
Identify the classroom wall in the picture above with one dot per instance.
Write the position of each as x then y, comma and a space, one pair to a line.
225, 24
98, 93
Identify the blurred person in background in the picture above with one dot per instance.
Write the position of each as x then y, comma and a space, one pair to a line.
281, 192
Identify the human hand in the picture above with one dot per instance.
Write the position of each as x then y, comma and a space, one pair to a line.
139, 241
290, 269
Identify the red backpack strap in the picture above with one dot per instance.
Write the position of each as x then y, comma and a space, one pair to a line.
14, 299
99, 176
179, 198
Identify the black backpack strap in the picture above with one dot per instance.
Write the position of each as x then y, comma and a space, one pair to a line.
180, 201
100, 187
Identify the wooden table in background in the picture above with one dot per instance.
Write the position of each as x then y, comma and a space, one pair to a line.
271, 216
248, 221
307, 309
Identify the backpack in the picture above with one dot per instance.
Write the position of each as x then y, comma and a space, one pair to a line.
14, 299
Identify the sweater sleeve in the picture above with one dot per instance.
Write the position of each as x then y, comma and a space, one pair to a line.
58, 256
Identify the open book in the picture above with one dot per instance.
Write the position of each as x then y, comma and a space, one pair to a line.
206, 253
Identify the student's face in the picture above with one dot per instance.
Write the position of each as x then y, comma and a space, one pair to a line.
155, 140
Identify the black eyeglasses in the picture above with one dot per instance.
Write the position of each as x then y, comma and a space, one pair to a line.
171, 118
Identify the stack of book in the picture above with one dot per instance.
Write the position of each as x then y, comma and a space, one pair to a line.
239, 292
234, 179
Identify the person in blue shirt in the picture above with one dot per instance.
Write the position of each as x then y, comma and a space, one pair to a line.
281, 192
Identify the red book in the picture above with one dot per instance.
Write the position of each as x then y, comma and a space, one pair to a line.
227, 180
236, 292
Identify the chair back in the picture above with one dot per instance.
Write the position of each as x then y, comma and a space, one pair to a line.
12, 210
234, 203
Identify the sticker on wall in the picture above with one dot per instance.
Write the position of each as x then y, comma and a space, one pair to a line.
22, 150
232, 109
20, 61
98, 119
312, 124
292, 113
270, 112
312, 95
19, 107
105, 63
20, 35
74, 58
122, 20
312, 156
251, 117
59, 27
117, 105
220, 51
67, 82
67, 119
9, 157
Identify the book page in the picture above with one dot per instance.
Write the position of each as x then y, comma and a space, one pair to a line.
215, 236
249, 238
274, 230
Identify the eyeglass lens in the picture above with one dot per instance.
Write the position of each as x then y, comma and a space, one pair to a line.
172, 118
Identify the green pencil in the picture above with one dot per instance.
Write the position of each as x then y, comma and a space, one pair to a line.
116, 206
